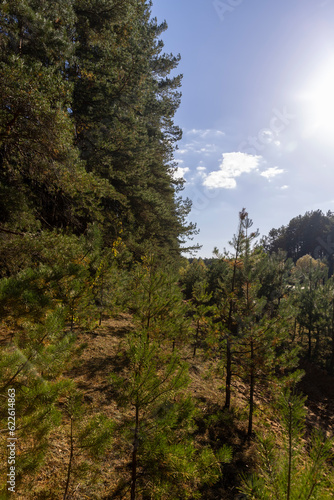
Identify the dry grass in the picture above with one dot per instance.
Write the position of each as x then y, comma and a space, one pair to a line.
104, 355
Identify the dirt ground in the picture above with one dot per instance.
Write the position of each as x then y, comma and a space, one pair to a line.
99, 479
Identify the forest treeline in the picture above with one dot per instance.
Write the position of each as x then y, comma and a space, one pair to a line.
92, 225
311, 233
248, 317
87, 133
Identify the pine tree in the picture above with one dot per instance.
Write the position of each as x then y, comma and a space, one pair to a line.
123, 107
156, 301
164, 460
41, 173
273, 273
229, 292
309, 277
290, 472
192, 274
253, 333
202, 313
32, 364
91, 435
261, 337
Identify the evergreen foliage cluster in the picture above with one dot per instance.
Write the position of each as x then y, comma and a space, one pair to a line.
308, 234
86, 123
91, 225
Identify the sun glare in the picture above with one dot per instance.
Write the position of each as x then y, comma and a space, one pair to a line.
318, 103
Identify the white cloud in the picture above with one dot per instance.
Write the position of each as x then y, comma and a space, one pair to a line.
200, 172
284, 187
208, 148
202, 133
271, 172
266, 136
180, 172
197, 143
232, 166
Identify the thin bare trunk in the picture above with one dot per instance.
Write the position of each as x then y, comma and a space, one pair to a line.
251, 392
196, 339
332, 356
290, 453
134, 457
70, 462
228, 375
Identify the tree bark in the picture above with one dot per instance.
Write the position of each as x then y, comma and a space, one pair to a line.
251, 392
228, 375
290, 453
70, 462
134, 457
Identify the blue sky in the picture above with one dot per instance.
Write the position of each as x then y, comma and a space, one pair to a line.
257, 110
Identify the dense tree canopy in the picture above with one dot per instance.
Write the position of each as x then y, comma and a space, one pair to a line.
92, 224
86, 122
311, 233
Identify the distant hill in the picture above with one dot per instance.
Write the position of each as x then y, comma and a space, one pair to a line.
311, 233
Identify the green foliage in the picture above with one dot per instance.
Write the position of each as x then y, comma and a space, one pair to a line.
156, 301
309, 296
145, 385
165, 460
34, 371
86, 155
202, 314
92, 222
192, 275
273, 272
123, 105
180, 470
92, 435
311, 233
86, 122
289, 471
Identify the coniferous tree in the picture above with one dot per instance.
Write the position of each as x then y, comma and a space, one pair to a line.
202, 313
90, 435
273, 273
263, 347
289, 472
32, 364
93, 73
164, 459
123, 108
308, 234
309, 277
156, 301
41, 172
227, 302
191, 275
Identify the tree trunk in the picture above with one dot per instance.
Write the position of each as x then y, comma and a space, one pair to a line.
101, 300
309, 333
134, 457
290, 453
317, 343
228, 375
331, 366
70, 462
251, 392
196, 339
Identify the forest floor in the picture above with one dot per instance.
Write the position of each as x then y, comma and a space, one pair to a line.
318, 386
107, 478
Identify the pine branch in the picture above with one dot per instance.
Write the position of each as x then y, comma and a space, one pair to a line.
16, 233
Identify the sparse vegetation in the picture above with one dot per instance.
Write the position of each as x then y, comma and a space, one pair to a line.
139, 374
